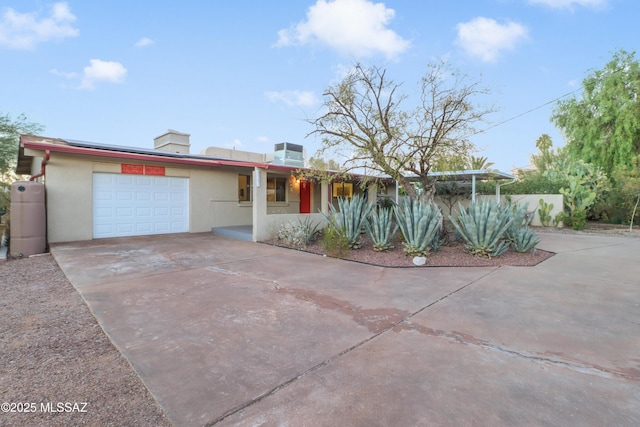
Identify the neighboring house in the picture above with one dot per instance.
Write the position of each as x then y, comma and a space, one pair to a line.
98, 191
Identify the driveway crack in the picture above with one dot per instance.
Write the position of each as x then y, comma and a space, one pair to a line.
359, 315
542, 359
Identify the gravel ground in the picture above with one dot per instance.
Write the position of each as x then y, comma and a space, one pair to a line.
55, 360
450, 255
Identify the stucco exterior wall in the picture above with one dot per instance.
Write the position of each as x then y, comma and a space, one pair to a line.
316, 197
213, 195
292, 205
69, 190
534, 203
220, 198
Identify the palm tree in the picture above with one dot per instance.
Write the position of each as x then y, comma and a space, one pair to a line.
479, 163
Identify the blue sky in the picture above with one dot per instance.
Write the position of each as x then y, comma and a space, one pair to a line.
247, 74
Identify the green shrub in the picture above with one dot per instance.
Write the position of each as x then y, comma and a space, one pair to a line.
297, 235
289, 234
579, 219
348, 219
420, 224
563, 218
482, 226
525, 240
380, 229
334, 243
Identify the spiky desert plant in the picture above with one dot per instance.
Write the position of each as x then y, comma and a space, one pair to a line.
482, 226
349, 217
309, 229
380, 228
520, 218
420, 224
525, 240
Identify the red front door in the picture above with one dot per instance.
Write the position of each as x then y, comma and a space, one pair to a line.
305, 197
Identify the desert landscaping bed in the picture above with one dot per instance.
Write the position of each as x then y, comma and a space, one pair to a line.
451, 254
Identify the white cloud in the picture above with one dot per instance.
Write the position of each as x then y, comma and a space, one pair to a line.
487, 39
262, 138
293, 98
352, 27
64, 74
26, 30
102, 71
144, 42
569, 4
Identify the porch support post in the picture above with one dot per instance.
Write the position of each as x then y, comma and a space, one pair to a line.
259, 199
372, 190
473, 188
324, 197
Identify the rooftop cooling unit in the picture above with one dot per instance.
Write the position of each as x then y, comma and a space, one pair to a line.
288, 154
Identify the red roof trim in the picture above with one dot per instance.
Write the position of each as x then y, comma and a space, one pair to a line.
63, 148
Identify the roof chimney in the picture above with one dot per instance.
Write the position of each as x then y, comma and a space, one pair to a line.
172, 142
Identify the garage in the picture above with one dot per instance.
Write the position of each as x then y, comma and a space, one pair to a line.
133, 205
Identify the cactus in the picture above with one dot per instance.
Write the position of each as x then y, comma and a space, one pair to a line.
349, 217
380, 229
482, 226
420, 224
545, 213
525, 240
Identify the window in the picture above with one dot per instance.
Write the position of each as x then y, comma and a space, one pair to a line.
276, 189
343, 189
244, 188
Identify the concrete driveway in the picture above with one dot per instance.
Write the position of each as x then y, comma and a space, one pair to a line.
225, 332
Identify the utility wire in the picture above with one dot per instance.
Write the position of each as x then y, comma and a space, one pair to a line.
539, 106
524, 113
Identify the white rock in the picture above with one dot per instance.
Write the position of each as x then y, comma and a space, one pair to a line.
419, 260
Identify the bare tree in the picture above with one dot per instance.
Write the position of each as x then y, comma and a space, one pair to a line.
365, 124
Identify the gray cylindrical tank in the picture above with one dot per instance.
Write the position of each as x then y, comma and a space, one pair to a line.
28, 232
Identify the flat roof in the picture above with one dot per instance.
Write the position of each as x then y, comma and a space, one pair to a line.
74, 146
467, 175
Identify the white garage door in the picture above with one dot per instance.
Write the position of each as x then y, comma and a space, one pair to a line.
133, 205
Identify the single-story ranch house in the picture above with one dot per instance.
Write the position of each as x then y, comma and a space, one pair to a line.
97, 191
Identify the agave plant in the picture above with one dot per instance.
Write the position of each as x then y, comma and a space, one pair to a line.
520, 218
380, 229
420, 224
348, 219
482, 226
525, 240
